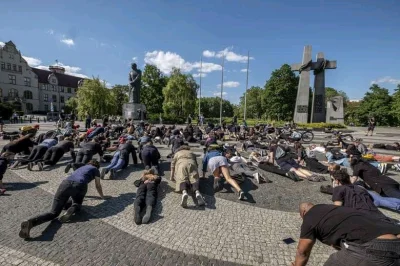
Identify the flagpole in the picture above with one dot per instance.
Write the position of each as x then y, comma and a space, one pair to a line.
222, 89
201, 71
247, 84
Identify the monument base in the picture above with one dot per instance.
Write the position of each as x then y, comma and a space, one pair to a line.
134, 111
335, 111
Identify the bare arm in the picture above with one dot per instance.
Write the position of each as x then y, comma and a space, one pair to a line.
98, 186
338, 203
303, 251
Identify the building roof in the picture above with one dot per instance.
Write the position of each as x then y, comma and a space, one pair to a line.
63, 79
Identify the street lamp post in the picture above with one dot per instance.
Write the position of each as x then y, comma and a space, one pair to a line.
247, 84
222, 89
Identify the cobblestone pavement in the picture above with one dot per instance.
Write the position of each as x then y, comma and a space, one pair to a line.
226, 231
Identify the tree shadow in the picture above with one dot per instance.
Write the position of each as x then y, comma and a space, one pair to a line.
16, 186
163, 167
49, 232
163, 189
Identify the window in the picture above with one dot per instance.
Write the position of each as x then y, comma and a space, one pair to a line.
27, 81
54, 98
11, 56
62, 99
19, 68
3, 65
28, 95
55, 108
61, 89
13, 93
29, 107
15, 67
8, 66
13, 79
44, 87
46, 107
54, 88
46, 99
69, 90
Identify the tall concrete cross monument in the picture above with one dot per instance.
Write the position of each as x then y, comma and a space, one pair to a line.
318, 112
303, 91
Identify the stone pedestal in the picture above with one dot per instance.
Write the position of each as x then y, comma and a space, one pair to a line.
335, 111
134, 111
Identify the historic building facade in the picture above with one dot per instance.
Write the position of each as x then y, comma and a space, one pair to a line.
32, 89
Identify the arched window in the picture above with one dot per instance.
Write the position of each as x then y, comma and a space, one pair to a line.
13, 93
28, 95
29, 107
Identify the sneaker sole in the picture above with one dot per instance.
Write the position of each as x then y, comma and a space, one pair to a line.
241, 196
66, 216
200, 200
184, 200
25, 229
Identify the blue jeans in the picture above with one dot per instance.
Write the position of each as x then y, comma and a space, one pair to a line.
390, 203
116, 162
342, 162
374, 164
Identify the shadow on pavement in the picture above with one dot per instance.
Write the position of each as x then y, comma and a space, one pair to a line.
48, 233
163, 190
15, 186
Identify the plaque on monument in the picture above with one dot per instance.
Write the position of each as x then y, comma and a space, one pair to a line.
335, 110
134, 109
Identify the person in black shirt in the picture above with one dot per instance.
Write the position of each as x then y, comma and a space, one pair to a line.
362, 239
353, 196
150, 156
69, 196
381, 184
22, 145
371, 126
86, 153
55, 153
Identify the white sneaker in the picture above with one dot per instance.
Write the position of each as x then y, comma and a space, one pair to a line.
200, 199
257, 177
184, 200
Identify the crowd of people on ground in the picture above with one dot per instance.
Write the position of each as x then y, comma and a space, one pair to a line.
232, 154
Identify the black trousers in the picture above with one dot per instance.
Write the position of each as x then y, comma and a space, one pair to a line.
149, 160
37, 153
84, 157
53, 155
66, 190
3, 167
189, 186
146, 195
272, 169
391, 192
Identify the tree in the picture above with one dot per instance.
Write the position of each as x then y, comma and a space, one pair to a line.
254, 102
71, 105
94, 98
153, 82
396, 103
210, 107
6, 110
180, 95
280, 94
119, 96
351, 115
376, 103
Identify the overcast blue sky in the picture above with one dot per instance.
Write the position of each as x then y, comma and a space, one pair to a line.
102, 38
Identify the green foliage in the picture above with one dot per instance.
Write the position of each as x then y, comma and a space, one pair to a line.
376, 103
254, 103
6, 110
180, 95
210, 107
280, 94
396, 103
119, 96
71, 105
320, 125
95, 98
153, 82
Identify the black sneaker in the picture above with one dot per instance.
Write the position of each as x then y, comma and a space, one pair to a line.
326, 189
147, 215
68, 167
40, 165
138, 220
293, 176
26, 227
30, 165
217, 186
241, 195
112, 173
67, 215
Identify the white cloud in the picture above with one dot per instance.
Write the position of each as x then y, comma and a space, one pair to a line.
68, 42
32, 61
134, 58
165, 61
197, 75
386, 79
69, 70
51, 32
229, 55
2, 44
230, 84
208, 53
103, 44
108, 84
244, 70
224, 93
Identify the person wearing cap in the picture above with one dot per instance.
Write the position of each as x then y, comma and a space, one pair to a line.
69, 196
120, 158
